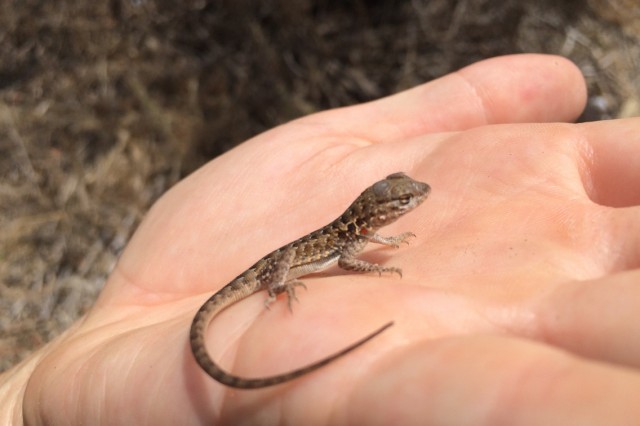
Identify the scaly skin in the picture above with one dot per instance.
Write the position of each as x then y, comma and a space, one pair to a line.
340, 241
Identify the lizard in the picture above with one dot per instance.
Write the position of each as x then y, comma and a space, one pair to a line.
338, 242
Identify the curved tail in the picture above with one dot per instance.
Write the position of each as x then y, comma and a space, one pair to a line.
198, 327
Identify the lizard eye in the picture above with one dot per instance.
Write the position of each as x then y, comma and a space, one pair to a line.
404, 200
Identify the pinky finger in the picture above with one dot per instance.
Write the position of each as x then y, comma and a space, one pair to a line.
489, 380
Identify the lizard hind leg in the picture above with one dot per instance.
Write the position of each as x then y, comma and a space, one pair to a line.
393, 241
279, 282
357, 265
288, 287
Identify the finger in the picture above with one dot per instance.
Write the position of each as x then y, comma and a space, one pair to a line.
508, 89
624, 238
597, 319
613, 161
493, 380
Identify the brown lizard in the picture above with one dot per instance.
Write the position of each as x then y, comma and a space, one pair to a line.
340, 241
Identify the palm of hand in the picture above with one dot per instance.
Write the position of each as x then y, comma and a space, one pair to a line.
517, 218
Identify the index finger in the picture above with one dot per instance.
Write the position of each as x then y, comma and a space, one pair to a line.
507, 89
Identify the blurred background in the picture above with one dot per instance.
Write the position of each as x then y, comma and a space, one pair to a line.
105, 105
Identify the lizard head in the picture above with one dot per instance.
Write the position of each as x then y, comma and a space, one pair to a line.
386, 200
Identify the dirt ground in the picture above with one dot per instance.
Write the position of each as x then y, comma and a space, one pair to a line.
105, 105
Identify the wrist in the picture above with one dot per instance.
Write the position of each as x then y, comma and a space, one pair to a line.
13, 384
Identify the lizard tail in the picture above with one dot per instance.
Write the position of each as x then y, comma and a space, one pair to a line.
212, 369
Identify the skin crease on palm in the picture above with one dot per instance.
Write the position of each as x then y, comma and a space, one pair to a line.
518, 299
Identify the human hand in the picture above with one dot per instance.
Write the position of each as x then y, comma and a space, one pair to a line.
517, 246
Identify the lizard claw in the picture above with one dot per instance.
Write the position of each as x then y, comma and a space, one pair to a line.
291, 292
268, 301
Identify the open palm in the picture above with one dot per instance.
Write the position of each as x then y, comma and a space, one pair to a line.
508, 307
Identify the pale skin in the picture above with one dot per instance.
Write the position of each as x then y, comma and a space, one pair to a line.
518, 302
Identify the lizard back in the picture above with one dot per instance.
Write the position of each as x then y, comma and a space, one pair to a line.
338, 242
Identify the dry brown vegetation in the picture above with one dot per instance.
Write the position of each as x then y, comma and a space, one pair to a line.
105, 105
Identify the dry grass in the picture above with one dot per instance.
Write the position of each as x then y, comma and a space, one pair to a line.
103, 106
